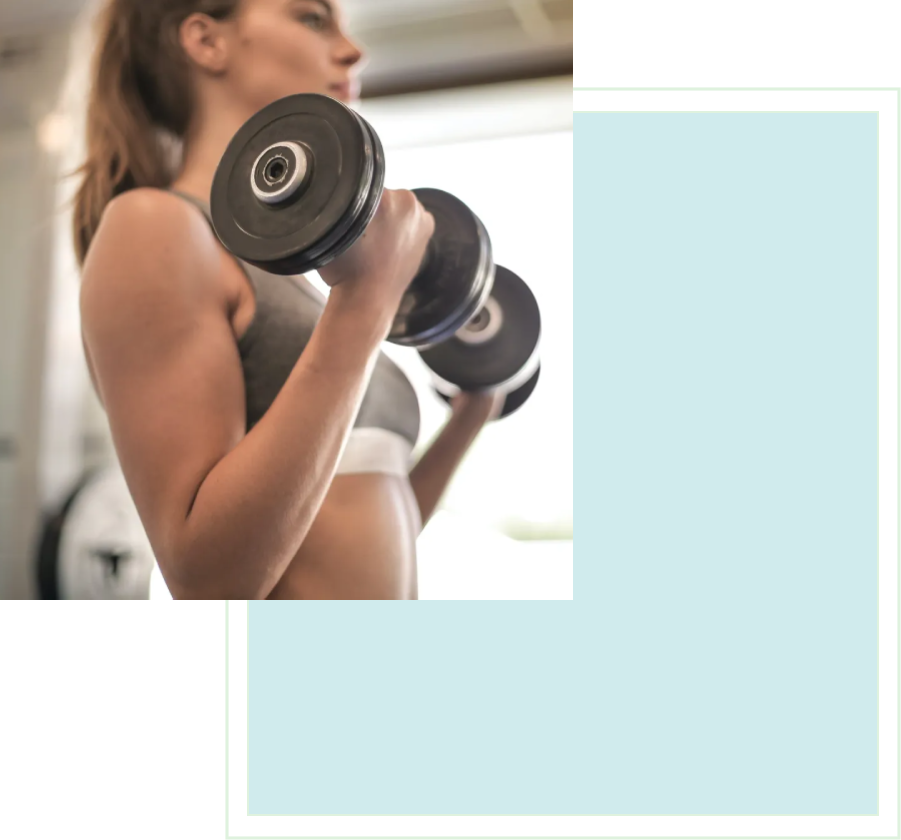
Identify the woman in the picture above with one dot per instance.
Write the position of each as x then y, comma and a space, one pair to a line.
264, 438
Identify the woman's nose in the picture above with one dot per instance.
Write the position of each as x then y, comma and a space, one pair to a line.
350, 54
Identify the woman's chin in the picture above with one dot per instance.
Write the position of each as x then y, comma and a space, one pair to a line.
348, 95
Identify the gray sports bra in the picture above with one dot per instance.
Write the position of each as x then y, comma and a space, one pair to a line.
287, 309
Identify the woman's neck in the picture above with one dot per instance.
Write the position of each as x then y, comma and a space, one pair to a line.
204, 146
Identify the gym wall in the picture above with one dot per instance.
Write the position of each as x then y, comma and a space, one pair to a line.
31, 71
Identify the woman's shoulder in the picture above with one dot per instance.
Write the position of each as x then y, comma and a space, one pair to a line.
152, 251
155, 230
148, 212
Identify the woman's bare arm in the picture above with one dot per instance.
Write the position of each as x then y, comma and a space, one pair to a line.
225, 511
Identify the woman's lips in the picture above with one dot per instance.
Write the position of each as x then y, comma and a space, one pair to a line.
346, 90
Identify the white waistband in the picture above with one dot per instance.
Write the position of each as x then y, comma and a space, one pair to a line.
375, 450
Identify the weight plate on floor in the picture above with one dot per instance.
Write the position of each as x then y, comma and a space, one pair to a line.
95, 547
297, 184
455, 278
497, 349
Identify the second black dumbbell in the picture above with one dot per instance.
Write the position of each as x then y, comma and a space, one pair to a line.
498, 350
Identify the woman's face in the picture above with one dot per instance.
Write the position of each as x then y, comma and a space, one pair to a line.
283, 47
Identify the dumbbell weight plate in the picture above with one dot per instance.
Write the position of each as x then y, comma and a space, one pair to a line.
334, 202
515, 399
370, 204
498, 348
455, 278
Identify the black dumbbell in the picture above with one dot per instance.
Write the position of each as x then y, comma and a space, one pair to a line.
515, 399
299, 183
496, 350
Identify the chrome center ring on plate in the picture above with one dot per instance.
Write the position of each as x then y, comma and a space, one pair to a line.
485, 326
278, 172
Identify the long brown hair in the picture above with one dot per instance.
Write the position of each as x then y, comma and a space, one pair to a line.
139, 103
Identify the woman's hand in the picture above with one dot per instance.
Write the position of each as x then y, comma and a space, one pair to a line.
380, 265
480, 407
470, 411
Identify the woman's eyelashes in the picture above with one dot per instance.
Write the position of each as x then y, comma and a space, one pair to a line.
314, 20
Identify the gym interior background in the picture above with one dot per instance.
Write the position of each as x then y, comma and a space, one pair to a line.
471, 96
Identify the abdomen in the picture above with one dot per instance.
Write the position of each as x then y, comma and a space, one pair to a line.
362, 545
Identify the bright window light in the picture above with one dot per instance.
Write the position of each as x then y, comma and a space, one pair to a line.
504, 530
518, 475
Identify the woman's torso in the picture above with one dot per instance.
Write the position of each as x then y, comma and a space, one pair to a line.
362, 544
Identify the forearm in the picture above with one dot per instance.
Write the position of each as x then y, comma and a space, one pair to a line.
435, 469
254, 509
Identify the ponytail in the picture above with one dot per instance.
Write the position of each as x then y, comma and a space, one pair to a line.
138, 104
